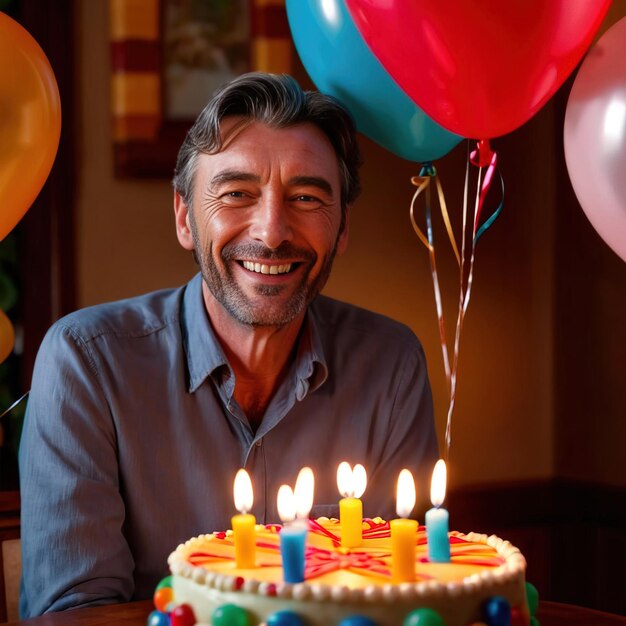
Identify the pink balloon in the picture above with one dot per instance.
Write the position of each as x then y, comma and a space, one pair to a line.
595, 137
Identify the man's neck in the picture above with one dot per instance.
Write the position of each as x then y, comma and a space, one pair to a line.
259, 356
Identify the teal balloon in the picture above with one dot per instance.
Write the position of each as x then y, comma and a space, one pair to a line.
341, 65
230, 615
423, 617
497, 611
357, 620
532, 597
285, 618
156, 618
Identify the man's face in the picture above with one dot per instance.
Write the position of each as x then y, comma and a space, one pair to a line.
265, 221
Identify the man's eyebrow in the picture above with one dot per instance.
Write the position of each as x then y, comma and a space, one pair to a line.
312, 181
228, 176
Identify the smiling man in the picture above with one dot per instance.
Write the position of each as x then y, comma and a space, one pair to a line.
264, 218
142, 411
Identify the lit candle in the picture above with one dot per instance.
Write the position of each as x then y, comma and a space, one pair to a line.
352, 484
293, 509
404, 531
244, 523
437, 517
303, 492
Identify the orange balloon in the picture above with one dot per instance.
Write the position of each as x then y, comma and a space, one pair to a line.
162, 597
7, 336
30, 121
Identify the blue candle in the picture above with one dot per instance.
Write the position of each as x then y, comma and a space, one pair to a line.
293, 510
292, 549
437, 518
437, 535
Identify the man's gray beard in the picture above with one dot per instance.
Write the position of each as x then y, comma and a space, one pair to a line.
227, 292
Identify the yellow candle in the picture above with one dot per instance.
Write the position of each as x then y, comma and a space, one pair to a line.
351, 521
404, 531
245, 540
351, 485
244, 532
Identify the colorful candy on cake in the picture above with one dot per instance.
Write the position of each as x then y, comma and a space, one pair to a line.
344, 572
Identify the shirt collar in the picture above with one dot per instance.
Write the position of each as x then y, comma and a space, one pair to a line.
311, 363
204, 352
205, 356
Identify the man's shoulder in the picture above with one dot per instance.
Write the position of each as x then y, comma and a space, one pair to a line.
338, 315
131, 317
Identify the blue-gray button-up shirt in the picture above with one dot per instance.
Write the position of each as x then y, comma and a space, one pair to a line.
132, 436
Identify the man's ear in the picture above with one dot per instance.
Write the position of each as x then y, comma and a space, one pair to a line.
342, 240
183, 228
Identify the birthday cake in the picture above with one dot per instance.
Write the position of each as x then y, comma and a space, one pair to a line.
483, 583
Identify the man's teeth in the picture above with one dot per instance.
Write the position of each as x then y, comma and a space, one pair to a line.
261, 268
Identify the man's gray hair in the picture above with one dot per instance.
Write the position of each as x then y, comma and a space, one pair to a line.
279, 102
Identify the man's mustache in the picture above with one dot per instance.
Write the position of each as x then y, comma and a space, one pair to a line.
284, 252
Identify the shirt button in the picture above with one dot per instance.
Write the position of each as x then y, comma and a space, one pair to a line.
259, 443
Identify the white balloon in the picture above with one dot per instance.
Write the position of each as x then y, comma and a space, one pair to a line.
595, 137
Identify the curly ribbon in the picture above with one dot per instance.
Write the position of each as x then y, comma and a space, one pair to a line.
486, 160
422, 182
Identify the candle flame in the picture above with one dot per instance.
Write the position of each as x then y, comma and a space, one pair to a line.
438, 483
359, 480
286, 504
351, 482
243, 491
344, 479
405, 494
303, 492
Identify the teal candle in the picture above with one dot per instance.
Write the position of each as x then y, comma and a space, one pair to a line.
294, 507
437, 535
437, 517
292, 551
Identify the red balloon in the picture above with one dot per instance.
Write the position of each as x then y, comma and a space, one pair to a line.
480, 68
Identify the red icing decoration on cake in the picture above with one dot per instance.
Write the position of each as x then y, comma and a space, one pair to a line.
370, 559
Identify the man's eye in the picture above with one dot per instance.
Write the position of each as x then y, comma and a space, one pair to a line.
236, 194
305, 198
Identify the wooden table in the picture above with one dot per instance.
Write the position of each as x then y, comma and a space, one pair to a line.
135, 614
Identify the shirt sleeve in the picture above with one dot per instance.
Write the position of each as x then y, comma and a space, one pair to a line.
410, 440
73, 549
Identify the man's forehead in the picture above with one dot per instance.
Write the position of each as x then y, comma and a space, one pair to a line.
235, 126
255, 144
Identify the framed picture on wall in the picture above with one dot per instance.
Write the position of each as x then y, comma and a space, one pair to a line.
169, 56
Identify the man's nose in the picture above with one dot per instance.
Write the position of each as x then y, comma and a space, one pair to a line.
271, 222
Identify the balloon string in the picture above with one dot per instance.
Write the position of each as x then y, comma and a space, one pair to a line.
492, 218
486, 161
465, 291
7, 411
446, 220
422, 183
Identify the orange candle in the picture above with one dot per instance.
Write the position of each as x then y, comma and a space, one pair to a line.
404, 531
